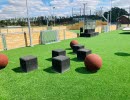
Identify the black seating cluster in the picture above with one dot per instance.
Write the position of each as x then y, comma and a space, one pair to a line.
60, 62
88, 32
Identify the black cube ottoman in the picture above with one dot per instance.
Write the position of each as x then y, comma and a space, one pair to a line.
77, 47
81, 29
58, 52
82, 53
28, 63
60, 63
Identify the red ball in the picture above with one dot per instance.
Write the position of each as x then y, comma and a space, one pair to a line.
93, 62
3, 61
73, 42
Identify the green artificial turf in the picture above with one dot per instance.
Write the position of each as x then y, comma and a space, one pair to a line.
111, 82
75, 31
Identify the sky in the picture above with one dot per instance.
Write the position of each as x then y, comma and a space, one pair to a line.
17, 8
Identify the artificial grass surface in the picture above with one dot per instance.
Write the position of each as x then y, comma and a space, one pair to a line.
75, 31
111, 82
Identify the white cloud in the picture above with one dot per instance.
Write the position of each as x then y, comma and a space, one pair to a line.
59, 2
121, 3
66, 5
17, 8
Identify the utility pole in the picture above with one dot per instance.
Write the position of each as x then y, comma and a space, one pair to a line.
54, 15
72, 11
72, 15
80, 11
129, 16
90, 12
129, 11
110, 12
108, 23
47, 21
101, 11
29, 26
84, 14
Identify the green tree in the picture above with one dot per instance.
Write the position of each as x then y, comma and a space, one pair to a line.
116, 12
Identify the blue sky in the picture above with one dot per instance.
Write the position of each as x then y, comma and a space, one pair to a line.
17, 8
3, 2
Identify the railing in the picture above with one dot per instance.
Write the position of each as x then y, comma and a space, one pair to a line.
9, 30
17, 40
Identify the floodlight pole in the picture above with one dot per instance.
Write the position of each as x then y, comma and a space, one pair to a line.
129, 16
110, 13
47, 21
108, 29
29, 26
54, 15
129, 11
80, 11
72, 15
90, 11
72, 11
84, 14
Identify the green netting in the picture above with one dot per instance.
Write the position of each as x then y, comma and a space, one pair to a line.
49, 28
90, 24
48, 36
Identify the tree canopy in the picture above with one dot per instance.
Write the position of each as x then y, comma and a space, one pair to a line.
115, 12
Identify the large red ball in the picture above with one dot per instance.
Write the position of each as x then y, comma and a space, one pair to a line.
73, 42
3, 61
93, 62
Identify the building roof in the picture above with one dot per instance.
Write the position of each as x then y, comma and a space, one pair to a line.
124, 19
126, 16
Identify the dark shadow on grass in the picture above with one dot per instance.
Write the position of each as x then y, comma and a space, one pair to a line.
18, 70
122, 54
2, 68
83, 70
125, 33
76, 60
49, 59
72, 53
49, 70
68, 49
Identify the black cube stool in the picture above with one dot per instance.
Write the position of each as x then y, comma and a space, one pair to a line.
77, 47
82, 53
58, 52
28, 63
61, 63
81, 29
